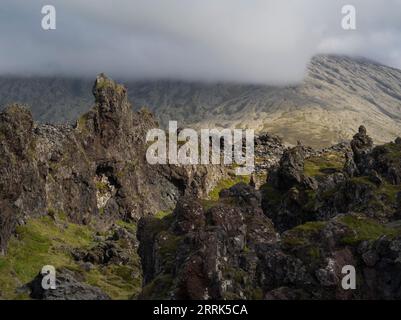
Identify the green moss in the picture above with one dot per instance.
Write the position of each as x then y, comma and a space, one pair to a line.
226, 184
132, 227
81, 124
310, 227
158, 225
40, 242
364, 229
303, 241
256, 294
314, 253
385, 194
393, 152
390, 191
241, 278
311, 200
102, 187
159, 288
49, 241
168, 244
237, 274
328, 163
162, 214
120, 282
208, 204
31, 151
363, 180
103, 82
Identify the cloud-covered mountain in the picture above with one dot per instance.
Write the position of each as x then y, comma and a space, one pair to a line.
337, 95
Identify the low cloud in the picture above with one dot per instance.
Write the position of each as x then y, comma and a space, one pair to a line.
253, 41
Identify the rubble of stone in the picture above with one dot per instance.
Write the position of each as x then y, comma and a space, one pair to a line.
290, 239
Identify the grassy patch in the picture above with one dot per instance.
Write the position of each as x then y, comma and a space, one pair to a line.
120, 282
208, 204
328, 163
81, 124
303, 241
127, 225
363, 180
102, 187
162, 214
310, 227
386, 190
226, 184
47, 241
40, 242
390, 191
364, 229
299, 236
159, 288
393, 152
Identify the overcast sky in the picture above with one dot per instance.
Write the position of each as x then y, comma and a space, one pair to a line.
255, 41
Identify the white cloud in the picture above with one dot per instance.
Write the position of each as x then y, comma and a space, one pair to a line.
259, 41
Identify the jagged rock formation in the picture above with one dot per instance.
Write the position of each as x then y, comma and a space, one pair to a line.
94, 169
365, 181
268, 151
290, 239
196, 252
67, 194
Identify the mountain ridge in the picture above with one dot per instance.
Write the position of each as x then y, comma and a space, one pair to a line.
337, 95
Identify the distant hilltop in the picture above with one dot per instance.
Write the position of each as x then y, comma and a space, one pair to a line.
338, 94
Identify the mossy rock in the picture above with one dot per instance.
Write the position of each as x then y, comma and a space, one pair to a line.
49, 240
162, 214
223, 184
168, 245
365, 229
271, 194
393, 152
159, 288
303, 241
102, 187
326, 164
382, 198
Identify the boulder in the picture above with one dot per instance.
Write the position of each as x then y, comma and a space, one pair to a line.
69, 286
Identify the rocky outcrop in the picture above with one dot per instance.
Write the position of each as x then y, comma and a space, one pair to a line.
361, 145
21, 183
202, 253
68, 287
316, 212
232, 251
291, 168
321, 185
118, 249
93, 171
269, 149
